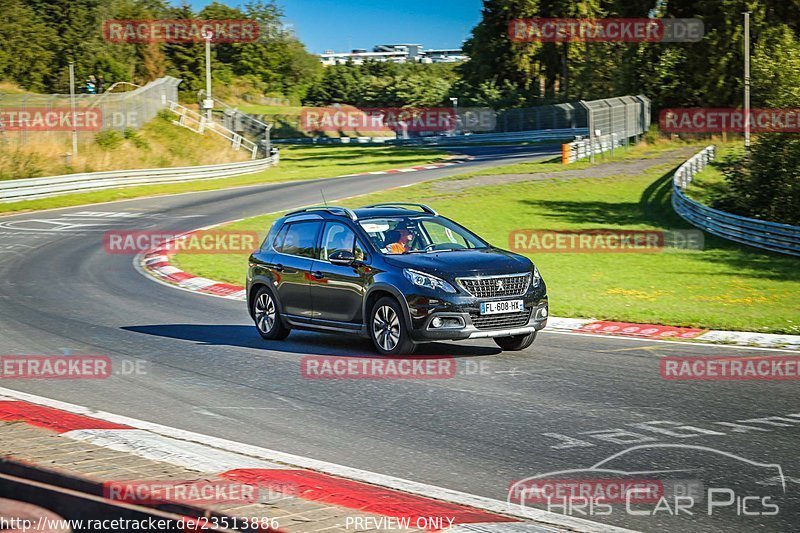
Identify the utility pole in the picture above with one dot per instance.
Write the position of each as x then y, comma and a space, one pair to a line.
72, 106
208, 102
455, 115
747, 81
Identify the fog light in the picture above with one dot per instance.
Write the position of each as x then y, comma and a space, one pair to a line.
544, 312
436, 322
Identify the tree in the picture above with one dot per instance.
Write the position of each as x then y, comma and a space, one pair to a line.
25, 45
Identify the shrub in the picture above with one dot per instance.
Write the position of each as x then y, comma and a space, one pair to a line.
18, 165
137, 140
765, 184
109, 139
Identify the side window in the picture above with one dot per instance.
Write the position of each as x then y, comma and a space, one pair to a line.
340, 237
278, 242
299, 238
337, 237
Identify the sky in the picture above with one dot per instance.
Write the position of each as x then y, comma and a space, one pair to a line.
342, 25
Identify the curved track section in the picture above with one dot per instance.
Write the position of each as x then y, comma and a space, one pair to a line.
568, 402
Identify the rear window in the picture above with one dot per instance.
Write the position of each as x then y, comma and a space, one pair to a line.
298, 238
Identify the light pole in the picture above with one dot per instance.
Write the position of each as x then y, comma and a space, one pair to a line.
208, 102
747, 81
455, 115
72, 105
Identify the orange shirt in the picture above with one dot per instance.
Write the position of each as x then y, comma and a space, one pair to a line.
396, 248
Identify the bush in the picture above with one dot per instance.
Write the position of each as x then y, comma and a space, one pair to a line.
18, 165
765, 185
137, 140
109, 139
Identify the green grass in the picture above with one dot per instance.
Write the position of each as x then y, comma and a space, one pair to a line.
641, 151
710, 182
258, 109
724, 286
297, 163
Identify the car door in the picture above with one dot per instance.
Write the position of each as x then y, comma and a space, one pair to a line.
295, 248
338, 290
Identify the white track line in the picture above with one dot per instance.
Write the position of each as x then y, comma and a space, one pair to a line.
168, 450
422, 489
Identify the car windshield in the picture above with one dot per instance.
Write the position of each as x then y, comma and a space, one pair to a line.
417, 234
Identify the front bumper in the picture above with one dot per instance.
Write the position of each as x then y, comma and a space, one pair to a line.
463, 311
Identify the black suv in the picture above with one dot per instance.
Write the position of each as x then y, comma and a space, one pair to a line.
398, 273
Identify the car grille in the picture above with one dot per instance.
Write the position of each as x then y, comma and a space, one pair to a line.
505, 321
489, 287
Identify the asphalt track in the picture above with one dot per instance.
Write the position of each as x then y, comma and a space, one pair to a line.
568, 402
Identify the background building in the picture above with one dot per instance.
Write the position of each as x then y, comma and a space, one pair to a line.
395, 53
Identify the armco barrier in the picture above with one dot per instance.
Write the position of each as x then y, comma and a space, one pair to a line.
582, 148
782, 238
34, 188
512, 137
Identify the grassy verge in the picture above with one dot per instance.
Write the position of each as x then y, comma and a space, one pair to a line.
724, 286
297, 163
258, 109
159, 143
710, 182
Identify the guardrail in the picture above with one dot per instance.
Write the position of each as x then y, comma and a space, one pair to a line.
510, 137
516, 136
583, 148
773, 236
334, 140
35, 188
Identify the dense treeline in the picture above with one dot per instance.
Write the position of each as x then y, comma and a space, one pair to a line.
503, 73
38, 39
384, 84
705, 73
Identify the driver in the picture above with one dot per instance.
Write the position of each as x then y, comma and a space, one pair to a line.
398, 240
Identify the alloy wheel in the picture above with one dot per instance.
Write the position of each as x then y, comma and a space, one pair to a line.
386, 328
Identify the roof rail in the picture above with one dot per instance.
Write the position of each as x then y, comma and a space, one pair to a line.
424, 207
333, 209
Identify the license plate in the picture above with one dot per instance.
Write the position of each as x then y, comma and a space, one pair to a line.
504, 306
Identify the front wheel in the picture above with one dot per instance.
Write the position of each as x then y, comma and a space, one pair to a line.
267, 317
515, 342
387, 328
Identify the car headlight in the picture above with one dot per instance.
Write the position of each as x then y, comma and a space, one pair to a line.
421, 279
536, 279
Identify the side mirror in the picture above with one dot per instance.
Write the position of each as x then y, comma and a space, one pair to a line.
342, 257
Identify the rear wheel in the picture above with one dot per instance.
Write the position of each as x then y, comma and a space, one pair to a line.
267, 317
388, 330
515, 342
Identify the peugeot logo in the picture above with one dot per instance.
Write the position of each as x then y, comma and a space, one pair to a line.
500, 287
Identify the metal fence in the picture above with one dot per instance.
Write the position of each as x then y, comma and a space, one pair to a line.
546, 117
119, 111
621, 118
242, 123
199, 124
782, 238
507, 137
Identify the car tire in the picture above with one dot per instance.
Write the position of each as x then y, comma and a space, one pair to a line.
267, 317
515, 343
387, 328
